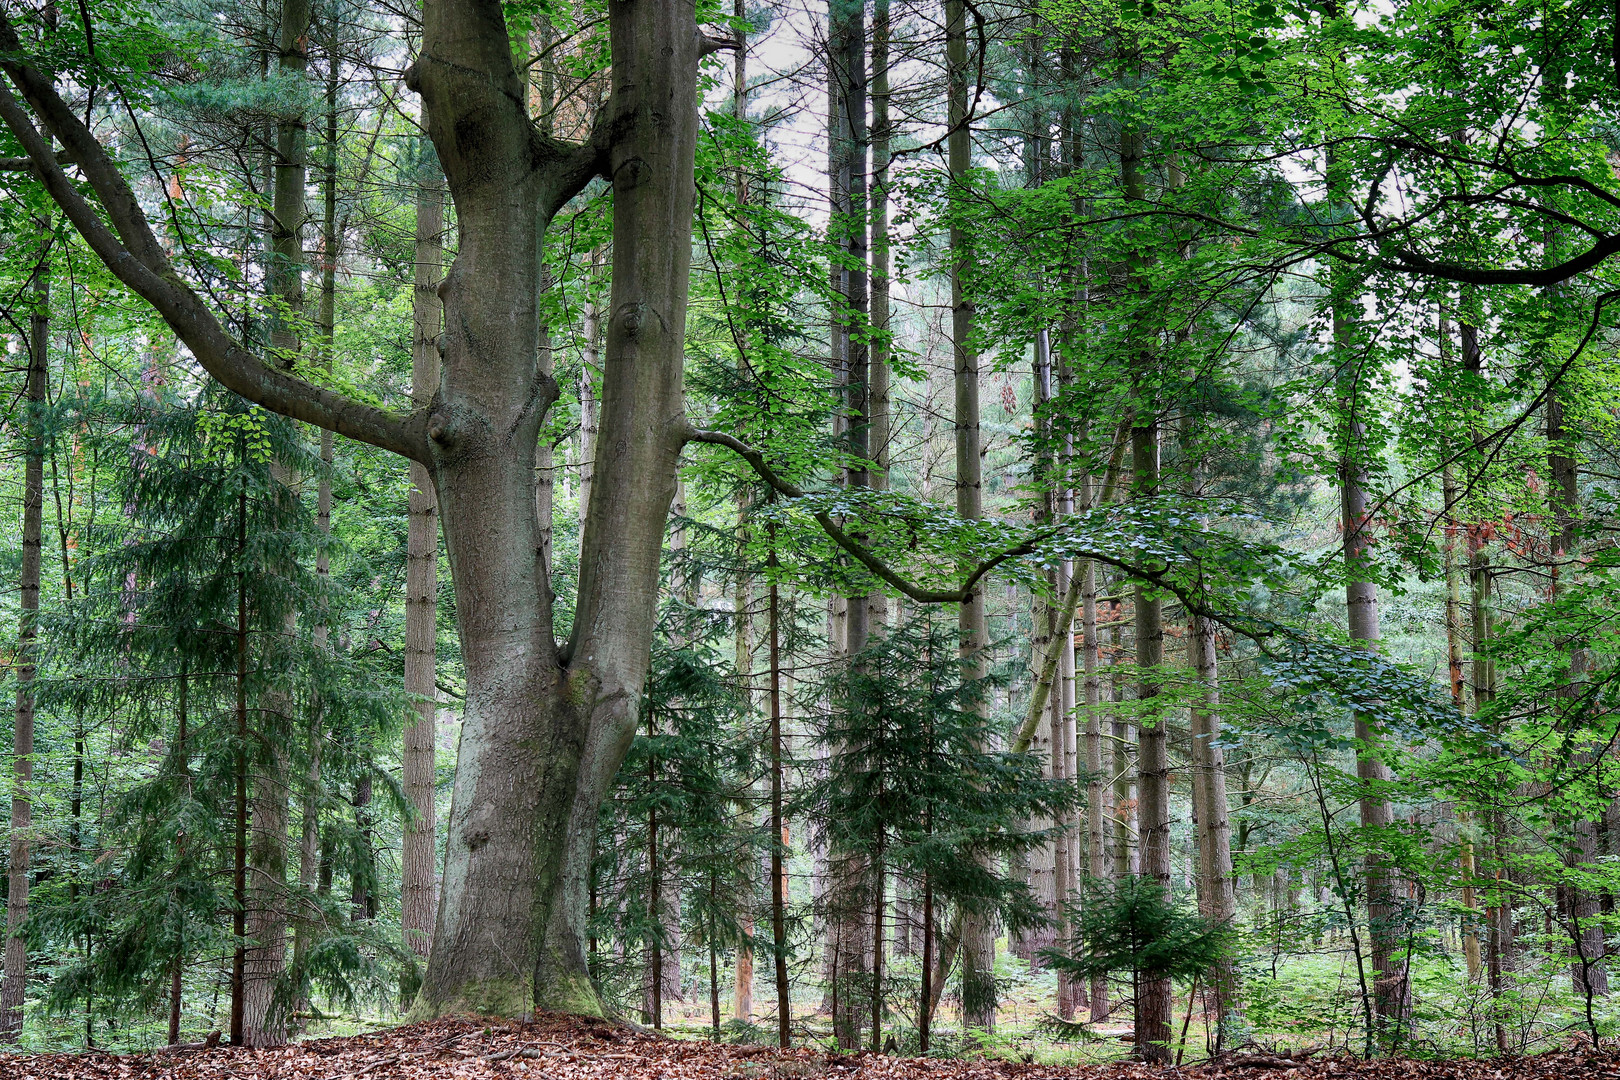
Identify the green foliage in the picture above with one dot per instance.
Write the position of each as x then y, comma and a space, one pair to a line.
1130, 925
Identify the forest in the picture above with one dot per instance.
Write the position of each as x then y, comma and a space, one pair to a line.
1038, 532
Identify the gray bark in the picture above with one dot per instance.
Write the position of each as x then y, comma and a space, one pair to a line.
1216, 896
1390, 990
418, 861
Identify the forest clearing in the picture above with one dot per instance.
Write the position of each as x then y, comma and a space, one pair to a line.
953, 538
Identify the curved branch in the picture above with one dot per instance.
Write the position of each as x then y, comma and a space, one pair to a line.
856, 549
135, 257
1157, 578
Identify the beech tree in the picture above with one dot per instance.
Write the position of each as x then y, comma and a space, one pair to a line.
547, 721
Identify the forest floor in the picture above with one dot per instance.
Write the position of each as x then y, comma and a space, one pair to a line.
571, 1048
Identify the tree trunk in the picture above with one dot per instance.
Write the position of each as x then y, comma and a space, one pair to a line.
784, 1005
1482, 679
1215, 892
1587, 974
309, 846
1361, 600
13, 987
418, 858
978, 940
590, 363
545, 729
264, 964
1153, 763
1455, 647
1098, 792
239, 806
847, 224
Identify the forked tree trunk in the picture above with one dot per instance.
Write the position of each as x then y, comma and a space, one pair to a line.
545, 727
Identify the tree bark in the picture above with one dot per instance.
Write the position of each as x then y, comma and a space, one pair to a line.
13, 986
847, 226
1153, 763
418, 858
1098, 791
784, 1003
1215, 892
978, 941
1587, 974
545, 729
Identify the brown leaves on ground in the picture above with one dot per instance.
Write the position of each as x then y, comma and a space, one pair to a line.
573, 1048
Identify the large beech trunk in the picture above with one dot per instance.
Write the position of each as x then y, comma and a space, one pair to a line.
545, 728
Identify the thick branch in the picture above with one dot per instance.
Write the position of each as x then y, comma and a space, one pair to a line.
1410, 262
137, 259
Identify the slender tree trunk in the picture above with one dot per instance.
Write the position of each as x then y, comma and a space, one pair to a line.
309, 845
925, 1011
1587, 974
847, 169
1361, 598
418, 861
879, 433
1482, 680
1039, 865
264, 1015
1214, 829
978, 941
784, 1003
1098, 791
1153, 763
877, 948
13, 987
239, 852
590, 363
1455, 648
743, 976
